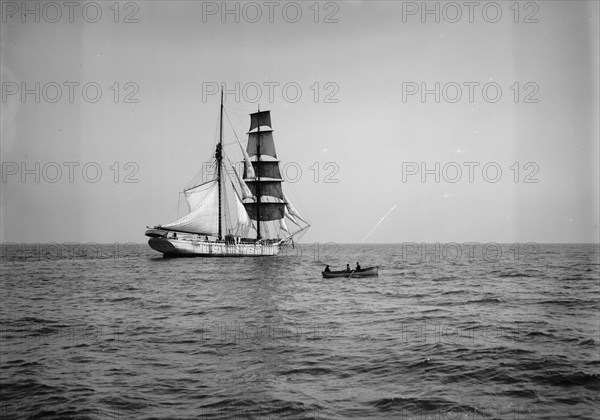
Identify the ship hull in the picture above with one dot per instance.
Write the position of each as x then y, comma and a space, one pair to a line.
177, 248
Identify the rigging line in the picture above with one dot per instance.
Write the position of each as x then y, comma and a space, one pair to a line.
226, 221
217, 129
198, 178
194, 180
234, 132
235, 173
237, 224
176, 206
230, 163
297, 202
244, 109
238, 117
239, 199
231, 125
197, 185
300, 232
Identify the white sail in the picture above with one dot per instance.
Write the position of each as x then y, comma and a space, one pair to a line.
196, 196
246, 193
289, 216
249, 168
242, 214
292, 210
283, 226
203, 201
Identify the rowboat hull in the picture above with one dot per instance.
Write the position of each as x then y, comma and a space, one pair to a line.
365, 272
173, 248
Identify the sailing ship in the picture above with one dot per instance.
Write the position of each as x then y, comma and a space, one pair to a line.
224, 211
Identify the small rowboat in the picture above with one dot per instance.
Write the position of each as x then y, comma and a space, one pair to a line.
363, 272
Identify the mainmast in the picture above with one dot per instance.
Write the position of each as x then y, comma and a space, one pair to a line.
219, 156
258, 237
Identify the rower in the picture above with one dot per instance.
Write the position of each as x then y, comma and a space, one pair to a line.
357, 266
348, 267
327, 270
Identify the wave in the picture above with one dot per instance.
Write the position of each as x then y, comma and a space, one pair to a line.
422, 406
515, 275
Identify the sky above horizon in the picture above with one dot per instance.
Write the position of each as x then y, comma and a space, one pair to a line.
509, 140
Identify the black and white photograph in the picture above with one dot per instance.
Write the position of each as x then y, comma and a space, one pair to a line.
303, 209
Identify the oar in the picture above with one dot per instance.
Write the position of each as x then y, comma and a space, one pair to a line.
352, 273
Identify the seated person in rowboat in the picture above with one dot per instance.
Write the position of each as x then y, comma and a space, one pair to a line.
348, 267
357, 266
327, 270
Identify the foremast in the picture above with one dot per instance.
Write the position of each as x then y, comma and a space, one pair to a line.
258, 195
204, 199
219, 157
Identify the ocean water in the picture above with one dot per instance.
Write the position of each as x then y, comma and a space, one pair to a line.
445, 332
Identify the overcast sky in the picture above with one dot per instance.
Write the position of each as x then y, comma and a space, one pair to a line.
360, 69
